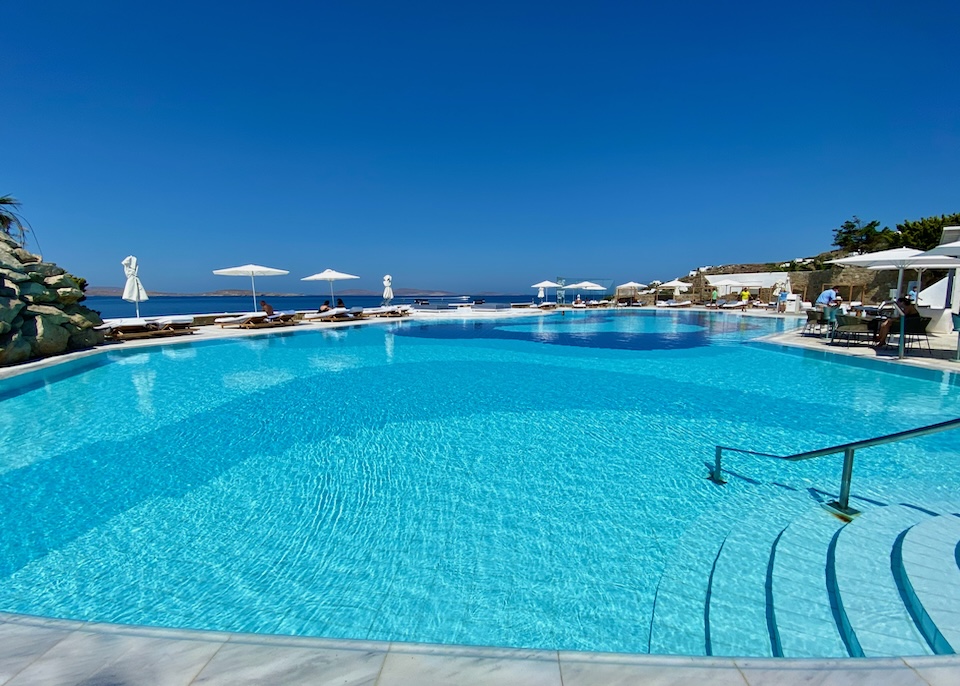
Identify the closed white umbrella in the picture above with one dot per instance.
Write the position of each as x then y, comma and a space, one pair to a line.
251, 270
330, 275
387, 289
133, 290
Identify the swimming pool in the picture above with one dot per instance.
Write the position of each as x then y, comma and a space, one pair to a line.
527, 483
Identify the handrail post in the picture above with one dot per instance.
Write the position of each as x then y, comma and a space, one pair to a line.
846, 477
842, 507
717, 475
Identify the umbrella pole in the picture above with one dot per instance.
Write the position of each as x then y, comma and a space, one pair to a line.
332, 301
253, 287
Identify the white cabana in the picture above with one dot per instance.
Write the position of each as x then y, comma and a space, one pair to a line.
677, 285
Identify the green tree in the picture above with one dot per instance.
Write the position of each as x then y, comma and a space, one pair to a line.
855, 236
10, 220
924, 233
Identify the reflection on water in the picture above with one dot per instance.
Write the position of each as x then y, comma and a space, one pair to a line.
143, 381
388, 345
256, 380
651, 330
179, 352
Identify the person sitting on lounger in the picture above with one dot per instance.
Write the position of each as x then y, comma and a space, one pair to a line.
325, 307
340, 303
266, 307
909, 311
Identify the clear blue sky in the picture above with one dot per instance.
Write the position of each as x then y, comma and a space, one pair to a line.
470, 146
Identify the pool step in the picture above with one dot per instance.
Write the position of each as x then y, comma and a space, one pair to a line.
789, 579
801, 605
927, 558
678, 625
738, 620
877, 621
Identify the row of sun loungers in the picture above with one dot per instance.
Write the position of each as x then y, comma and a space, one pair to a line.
129, 329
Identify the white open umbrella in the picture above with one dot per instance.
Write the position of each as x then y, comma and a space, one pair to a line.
899, 259
920, 263
133, 290
387, 289
632, 284
895, 258
251, 270
585, 286
949, 249
545, 284
330, 275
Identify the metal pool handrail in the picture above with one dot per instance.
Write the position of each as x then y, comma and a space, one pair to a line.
841, 506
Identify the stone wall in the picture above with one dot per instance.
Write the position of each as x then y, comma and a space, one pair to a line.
40, 310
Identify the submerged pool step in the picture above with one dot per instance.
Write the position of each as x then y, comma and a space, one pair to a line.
928, 558
801, 604
877, 621
738, 623
677, 626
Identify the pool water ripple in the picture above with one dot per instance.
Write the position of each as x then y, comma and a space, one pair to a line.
379, 485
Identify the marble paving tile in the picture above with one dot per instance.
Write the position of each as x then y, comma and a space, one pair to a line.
21, 645
579, 669
155, 661
238, 663
71, 660
412, 665
937, 670
843, 672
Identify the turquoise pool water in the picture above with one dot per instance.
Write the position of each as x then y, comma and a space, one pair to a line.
512, 482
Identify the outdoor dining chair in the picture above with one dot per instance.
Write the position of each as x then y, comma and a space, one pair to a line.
851, 328
914, 331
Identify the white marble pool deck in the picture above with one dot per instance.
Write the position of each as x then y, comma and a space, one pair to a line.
36, 650
46, 651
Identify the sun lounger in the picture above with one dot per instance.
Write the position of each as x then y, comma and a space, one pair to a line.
678, 303
138, 328
735, 304
241, 319
387, 311
324, 316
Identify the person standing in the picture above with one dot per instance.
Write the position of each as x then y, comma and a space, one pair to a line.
714, 295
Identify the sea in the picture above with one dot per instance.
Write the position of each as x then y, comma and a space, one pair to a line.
111, 307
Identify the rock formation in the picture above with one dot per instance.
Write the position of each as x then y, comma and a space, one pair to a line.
40, 314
